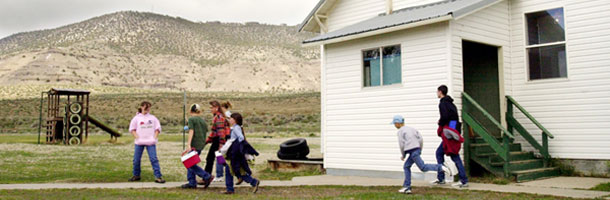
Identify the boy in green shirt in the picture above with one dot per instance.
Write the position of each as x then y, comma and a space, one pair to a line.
196, 141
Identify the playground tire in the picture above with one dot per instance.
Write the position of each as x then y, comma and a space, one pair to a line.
75, 119
293, 156
74, 141
76, 108
297, 145
74, 131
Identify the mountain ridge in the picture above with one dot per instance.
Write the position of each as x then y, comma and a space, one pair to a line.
148, 50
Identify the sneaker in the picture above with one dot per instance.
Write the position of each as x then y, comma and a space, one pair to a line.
228, 192
188, 186
239, 181
218, 179
437, 182
207, 183
447, 170
405, 190
159, 180
256, 187
134, 178
460, 185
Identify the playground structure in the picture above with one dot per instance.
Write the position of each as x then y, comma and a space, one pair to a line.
68, 118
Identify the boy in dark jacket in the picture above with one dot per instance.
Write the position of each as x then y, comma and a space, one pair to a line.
449, 130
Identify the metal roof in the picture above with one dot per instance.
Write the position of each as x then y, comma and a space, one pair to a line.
308, 18
452, 8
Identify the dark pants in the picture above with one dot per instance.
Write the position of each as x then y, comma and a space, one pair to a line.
440, 159
196, 171
229, 179
209, 159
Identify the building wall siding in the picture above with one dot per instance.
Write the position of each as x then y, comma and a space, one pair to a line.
577, 109
348, 12
358, 133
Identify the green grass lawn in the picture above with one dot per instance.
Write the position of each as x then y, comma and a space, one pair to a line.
602, 187
263, 112
24, 161
302, 192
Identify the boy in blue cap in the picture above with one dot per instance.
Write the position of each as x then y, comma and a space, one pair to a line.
411, 142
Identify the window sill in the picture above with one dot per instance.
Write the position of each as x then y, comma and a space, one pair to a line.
381, 87
547, 80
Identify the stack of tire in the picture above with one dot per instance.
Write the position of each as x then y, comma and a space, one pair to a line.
293, 149
74, 122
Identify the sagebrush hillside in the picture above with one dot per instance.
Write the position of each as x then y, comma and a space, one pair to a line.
147, 50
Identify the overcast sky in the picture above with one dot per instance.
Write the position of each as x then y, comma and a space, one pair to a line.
28, 15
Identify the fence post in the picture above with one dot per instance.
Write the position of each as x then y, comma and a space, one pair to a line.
184, 120
40, 116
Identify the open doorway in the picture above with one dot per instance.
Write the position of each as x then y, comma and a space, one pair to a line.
481, 80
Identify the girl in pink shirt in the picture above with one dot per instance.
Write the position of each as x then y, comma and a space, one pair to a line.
145, 127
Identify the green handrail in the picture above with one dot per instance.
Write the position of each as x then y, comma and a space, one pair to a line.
529, 116
491, 118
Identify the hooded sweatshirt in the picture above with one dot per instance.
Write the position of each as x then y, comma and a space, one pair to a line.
409, 138
145, 127
447, 110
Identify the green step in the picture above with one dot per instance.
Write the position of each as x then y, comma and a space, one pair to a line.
485, 148
532, 174
514, 156
480, 140
484, 162
521, 164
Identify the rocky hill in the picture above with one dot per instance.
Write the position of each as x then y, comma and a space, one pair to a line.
148, 50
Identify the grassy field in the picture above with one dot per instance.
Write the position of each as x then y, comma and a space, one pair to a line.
302, 192
274, 114
24, 161
602, 187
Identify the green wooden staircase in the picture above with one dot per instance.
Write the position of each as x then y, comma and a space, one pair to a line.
498, 153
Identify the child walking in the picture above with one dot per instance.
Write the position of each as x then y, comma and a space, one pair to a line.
220, 130
236, 151
411, 142
145, 127
196, 141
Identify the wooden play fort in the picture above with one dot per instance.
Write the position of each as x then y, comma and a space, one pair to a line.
67, 117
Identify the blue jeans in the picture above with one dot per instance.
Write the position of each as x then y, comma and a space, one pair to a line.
152, 156
194, 171
440, 159
229, 179
415, 157
219, 170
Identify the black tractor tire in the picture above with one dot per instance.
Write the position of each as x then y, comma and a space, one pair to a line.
293, 155
294, 145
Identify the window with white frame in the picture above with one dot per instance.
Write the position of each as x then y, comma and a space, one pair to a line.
546, 44
382, 66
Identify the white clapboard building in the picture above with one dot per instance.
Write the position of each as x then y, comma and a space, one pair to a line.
539, 68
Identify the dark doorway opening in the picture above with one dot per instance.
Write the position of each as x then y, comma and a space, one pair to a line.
481, 81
